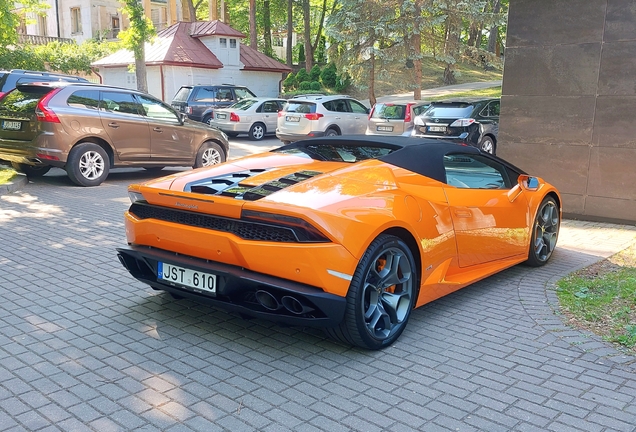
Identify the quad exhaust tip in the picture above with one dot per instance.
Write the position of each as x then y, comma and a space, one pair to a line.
291, 304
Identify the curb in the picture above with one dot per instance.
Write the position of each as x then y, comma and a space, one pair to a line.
15, 184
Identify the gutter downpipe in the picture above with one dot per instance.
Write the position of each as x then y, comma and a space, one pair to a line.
163, 90
101, 79
57, 17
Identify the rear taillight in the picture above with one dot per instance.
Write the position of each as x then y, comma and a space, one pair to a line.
189, 110
281, 113
234, 117
462, 122
407, 116
313, 116
42, 111
371, 112
2, 95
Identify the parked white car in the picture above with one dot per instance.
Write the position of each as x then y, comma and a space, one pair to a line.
255, 117
321, 115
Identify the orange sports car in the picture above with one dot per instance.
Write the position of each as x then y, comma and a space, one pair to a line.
344, 233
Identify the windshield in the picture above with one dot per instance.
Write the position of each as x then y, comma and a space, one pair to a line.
337, 152
449, 111
182, 94
242, 93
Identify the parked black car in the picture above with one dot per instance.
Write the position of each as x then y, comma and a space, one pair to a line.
473, 122
10, 79
199, 101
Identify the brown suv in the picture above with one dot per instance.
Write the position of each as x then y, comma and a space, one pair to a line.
87, 129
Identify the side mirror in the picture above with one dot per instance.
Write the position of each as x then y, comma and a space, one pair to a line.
525, 182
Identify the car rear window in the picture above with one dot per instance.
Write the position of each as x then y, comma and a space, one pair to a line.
389, 111
449, 111
24, 100
242, 93
337, 152
183, 94
244, 104
300, 107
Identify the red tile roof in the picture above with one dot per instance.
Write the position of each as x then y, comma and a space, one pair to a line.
179, 45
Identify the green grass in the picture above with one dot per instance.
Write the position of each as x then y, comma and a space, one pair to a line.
602, 298
492, 92
6, 174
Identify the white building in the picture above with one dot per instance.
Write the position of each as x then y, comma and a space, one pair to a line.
202, 52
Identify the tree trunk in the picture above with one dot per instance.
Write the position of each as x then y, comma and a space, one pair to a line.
372, 99
290, 32
417, 64
253, 40
267, 28
494, 30
322, 21
449, 75
140, 68
309, 55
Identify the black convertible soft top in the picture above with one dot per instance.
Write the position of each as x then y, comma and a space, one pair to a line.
423, 156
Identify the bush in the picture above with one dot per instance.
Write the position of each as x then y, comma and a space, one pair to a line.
315, 85
302, 75
290, 82
314, 73
328, 76
305, 85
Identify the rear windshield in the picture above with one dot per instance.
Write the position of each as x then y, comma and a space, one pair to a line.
389, 111
300, 107
182, 94
449, 111
23, 101
242, 93
244, 104
337, 152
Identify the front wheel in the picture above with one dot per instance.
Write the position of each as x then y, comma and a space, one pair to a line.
545, 232
31, 170
209, 154
87, 164
381, 295
257, 131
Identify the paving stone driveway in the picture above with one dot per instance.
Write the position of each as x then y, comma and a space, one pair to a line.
83, 346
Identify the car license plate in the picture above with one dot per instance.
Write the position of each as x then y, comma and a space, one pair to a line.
437, 128
385, 128
11, 125
292, 119
221, 116
186, 277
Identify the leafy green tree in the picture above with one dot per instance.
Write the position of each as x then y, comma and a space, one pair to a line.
328, 75
135, 37
302, 75
10, 18
314, 73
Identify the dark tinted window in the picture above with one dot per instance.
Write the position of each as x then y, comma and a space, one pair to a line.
270, 107
122, 103
23, 101
205, 94
84, 99
475, 172
491, 110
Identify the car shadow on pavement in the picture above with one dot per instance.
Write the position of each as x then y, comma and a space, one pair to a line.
58, 177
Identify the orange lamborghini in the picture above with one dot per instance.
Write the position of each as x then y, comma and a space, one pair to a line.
344, 233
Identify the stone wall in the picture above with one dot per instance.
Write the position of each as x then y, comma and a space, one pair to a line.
568, 111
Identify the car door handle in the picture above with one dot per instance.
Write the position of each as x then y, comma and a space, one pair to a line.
464, 213
337, 118
113, 125
158, 129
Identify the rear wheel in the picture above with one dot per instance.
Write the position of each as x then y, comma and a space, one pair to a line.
381, 295
87, 164
545, 232
31, 170
208, 120
487, 145
209, 154
331, 132
257, 131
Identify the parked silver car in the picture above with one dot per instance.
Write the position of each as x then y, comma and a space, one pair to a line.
394, 117
321, 115
255, 117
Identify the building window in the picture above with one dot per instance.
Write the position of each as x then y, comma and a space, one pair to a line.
22, 26
232, 43
223, 42
131, 79
277, 41
114, 23
42, 25
76, 21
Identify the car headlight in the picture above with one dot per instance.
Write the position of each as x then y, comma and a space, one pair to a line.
135, 196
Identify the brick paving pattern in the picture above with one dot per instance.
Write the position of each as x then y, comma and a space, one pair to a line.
85, 347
